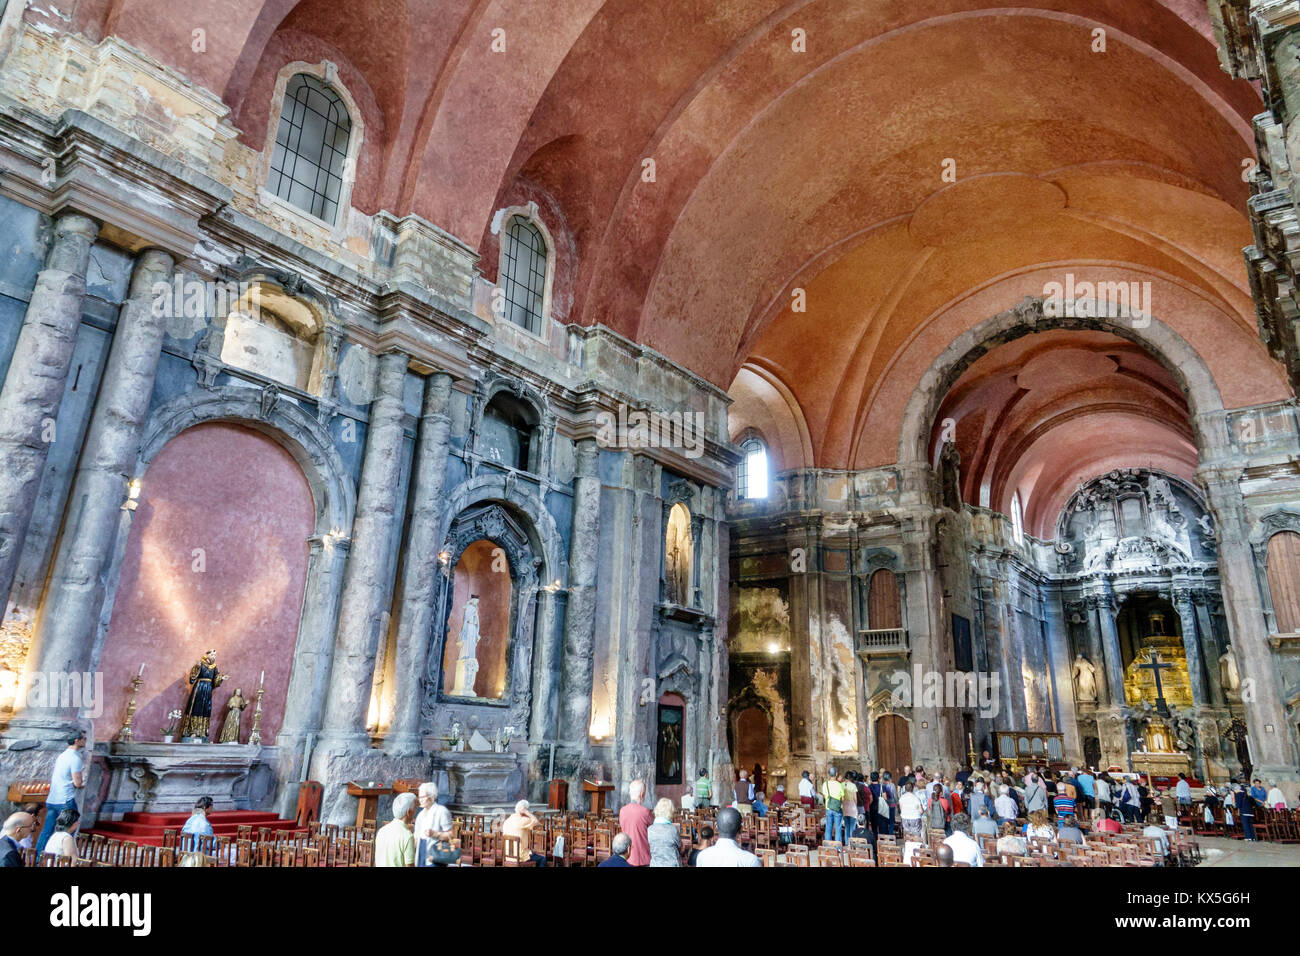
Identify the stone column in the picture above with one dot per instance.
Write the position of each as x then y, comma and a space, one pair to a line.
580, 613
369, 573
34, 385
1058, 653
420, 569
1191, 645
1103, 606
70, 612
926, 628
1209, 648
309, 679
1266, 719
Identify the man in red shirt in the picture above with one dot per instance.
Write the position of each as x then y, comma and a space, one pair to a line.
634, 819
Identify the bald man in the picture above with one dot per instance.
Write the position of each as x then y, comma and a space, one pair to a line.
17, 826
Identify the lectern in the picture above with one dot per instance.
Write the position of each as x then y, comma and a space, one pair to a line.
368, 795
596, 790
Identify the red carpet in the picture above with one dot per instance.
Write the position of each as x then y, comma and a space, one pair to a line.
147, 828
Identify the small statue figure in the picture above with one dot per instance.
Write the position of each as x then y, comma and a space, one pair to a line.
467, 659
234, 710
1228, 675
197, 712
1085, 676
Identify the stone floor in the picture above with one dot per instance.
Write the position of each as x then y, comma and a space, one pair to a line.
1219, 851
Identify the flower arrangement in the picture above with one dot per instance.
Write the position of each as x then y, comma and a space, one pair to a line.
170, 729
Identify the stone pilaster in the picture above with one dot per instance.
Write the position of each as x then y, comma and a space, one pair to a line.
1062, 678
1209, 648
1191, 645
580, 613
420, 566
34, 385
1266, 719
1103, 607
369, 571
70, 612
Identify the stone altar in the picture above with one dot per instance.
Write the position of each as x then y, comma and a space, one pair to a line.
482, 782
168, 778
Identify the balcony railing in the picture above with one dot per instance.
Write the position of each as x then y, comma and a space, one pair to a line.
889, 640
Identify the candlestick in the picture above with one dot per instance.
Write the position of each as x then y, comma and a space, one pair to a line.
141, 674
126, 734
261, 680
256, 736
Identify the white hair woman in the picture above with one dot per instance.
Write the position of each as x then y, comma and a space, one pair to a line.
665, 841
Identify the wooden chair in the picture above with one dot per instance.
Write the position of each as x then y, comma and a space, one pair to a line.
310, 793
796, 854
512, 847
766, 857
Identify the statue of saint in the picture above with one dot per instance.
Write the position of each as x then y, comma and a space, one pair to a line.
197, 712
234, 710
1085, 677
1228, 676
467, 659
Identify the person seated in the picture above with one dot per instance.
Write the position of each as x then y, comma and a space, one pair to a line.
1159, 834
1068, 831
964, 848
520, 824
64, 842
1038, 827
944, 855
726, 852
706, 841
619, 851
1010, 843
984, 824
778, 798
197, 825
1107, 824
1275, 799
760, 807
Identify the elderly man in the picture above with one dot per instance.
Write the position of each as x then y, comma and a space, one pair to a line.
744, 793
634, 819
984, 825
432, 825
520, 824
394, 843
17, 826
1005, 806
726, 851
964, 848
618, 851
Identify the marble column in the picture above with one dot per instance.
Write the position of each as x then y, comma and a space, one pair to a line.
369, 570
1062, 676
925, 631
1103, 606
1191, 645
34, 385
70, 612
309, 679
421, 567
1266, 719
580, 613
1209, 648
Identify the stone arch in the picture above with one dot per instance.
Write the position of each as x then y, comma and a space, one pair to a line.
1158, 338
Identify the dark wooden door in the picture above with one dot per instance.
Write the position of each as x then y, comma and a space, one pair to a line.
893, 744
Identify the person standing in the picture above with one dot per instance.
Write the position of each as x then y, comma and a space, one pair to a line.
665, 842
66, 779
394, 843
634, 819
910, 811
807, 792
833, 795
726, 852
1035, 793
1183, 791
433, 825
744, 793
849, 804
703, 790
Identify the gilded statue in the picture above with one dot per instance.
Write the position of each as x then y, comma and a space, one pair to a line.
234, 711
203, 680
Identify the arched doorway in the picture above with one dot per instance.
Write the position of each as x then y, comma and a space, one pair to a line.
753, 738
893, 744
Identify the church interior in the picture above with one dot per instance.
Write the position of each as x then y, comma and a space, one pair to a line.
537, 398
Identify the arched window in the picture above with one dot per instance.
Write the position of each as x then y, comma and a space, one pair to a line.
1284, 580
509, 427
311, 148
679, 557
523, 274
751, 474
884, 609
1017, 519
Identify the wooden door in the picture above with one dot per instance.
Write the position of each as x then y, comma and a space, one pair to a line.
893, 744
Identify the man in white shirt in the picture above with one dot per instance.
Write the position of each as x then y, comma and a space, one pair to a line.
65, 781
964, 848
1005, 806
725, 851
807, 792
432, 824
1183, 791
1103, 794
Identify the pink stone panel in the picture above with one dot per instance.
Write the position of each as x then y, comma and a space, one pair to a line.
241, 498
